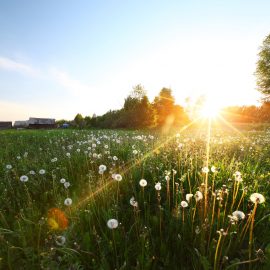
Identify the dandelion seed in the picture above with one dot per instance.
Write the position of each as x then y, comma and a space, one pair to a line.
118, 177
143, 183
158, 186
133, 202
112, 223
60, 240
198, 196
42, 171
189, 196
102, 169
24, 178
205, 170
66, 184
9, 167
62, 180
68, 202
239, 215
184, 204
257, 198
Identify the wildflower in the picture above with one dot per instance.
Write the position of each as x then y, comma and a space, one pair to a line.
68, 202
205, 170
102, 168
238, 176
174, 172
24, 178
68, 154
62, 180
198, 196
135, 152
167, 177
133, 202
118, 177
257, 198
60, 240
213, 169
32, 172
115, 158
112, 223
53, 160
57, 219
158, 186
189, 196
184, 204
8, 166
143, 183
239, 215
66, 184
42, 171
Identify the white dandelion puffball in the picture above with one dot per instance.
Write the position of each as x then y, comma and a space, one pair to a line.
112, 223
102, 168
118, 177
213, 169
143, 183
68, 202
24, 178
135, 152
32, 172
205, 170
62, 180
8, 166
184, 204
42, 171
198, 196
133, 202
66, 184
158, 186
257, 198
238, 215
60, 240
115, 158
189, 196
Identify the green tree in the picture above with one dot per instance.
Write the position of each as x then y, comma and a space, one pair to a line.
78, 120
263, 69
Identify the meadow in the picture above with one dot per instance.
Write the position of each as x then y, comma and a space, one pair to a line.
105, 199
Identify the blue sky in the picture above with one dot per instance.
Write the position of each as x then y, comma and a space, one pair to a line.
58, 58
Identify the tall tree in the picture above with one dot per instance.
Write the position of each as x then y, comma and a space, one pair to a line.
78, 120
263, 69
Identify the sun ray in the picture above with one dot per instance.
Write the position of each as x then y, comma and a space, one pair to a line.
108, 181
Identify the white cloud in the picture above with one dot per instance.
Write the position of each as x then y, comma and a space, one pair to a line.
64, 79
12, 65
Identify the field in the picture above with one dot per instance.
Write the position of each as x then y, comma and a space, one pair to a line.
92, 199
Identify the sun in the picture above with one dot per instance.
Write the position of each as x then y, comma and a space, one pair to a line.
210, 109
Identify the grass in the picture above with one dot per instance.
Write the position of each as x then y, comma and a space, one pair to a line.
157, 229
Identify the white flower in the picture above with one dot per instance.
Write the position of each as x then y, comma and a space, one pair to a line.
112, 223
143, 183
158, 186
239, 215
66, 184
60, 240
32, 172
62, 180
102, 168
133, 202
205, 170
53, 159
118, 177
257, 197
42, 171
68, 202
184, 204
198, 196
213, 169
68, 154
189, 196
24, 178
167, 177
135, 152
8, 166
115, 158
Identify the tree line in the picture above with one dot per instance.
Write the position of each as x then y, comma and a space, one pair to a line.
138, 113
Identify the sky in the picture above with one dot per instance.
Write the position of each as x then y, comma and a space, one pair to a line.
60, 58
